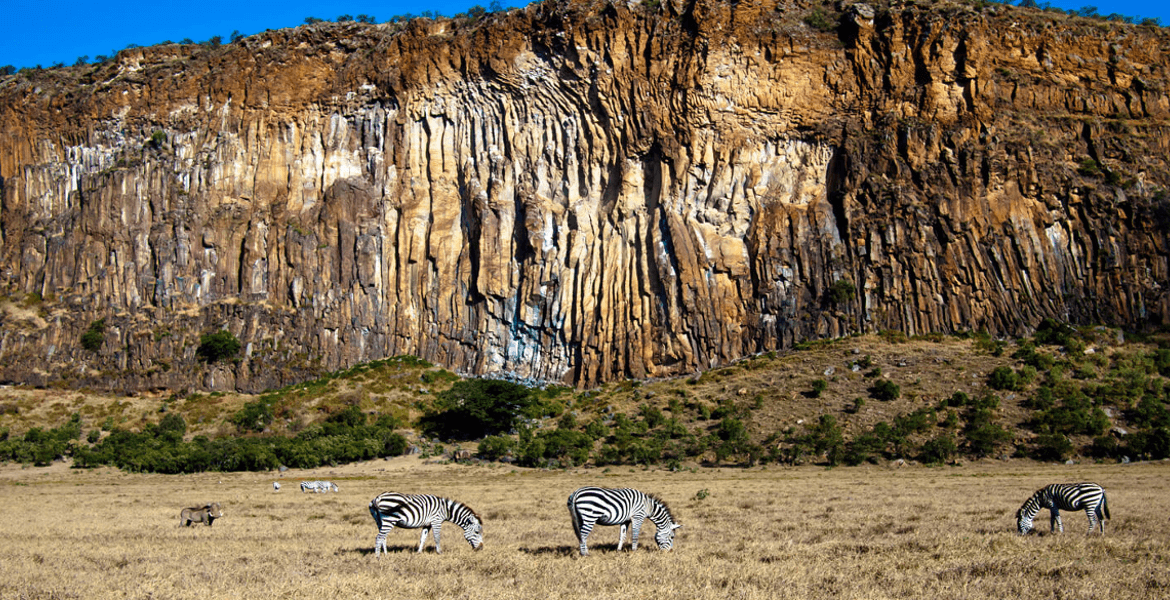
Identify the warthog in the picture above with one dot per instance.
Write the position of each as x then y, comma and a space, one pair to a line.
201, 514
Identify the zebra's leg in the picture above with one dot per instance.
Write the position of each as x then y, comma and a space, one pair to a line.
583, 536
636, 528
622, 536
380, 541
423, 538
1091, 512
438, 527
1057, 525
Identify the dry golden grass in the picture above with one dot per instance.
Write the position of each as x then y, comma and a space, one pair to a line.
802, 532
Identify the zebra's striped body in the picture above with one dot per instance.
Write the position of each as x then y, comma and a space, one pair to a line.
414, 511
626, 507
318, 486
1088, 497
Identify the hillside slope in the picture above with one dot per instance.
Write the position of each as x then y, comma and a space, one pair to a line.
1063, 394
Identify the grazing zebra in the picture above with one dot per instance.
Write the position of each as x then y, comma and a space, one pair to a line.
413, 511
1088, 497
318, 486
626, 507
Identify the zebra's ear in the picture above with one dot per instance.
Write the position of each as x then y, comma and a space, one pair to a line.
676, 526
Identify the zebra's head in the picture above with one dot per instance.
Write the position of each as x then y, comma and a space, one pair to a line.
1024, 522
473, 531
665, 536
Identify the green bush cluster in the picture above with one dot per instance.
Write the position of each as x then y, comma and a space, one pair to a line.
40, 447
342, 438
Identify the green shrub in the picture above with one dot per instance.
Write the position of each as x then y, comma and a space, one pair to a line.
1104, 446
1038, 360
173, 422
221, 345
818, 387
1004, 378
938, 450
862, 448
94, 436
570, 447
885, 390
821, 21
893, 336
651, 415
1150, 412
495, 447
841, 292
915, 422
567, 421
1153, 443
1051, 332
92, 338
255, 416
1052, 447
431, 377
984, 343
983, 435
827, 437
733, 438
1074, 415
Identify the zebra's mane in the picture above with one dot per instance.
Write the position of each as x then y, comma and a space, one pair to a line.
665, 506
469, 509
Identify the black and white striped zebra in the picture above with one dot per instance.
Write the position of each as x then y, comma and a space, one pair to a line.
1088, 497
413, 511
591, 506
318, 486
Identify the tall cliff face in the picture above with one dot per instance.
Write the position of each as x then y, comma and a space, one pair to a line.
580, 191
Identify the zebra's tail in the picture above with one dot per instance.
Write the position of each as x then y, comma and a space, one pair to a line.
1104, 509
575, 516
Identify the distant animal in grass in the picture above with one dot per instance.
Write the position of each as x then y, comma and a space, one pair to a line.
276, 485
207, 513
318, 486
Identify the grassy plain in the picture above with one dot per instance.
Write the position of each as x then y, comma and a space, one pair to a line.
801, 532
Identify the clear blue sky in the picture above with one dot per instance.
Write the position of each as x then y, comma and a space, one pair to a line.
46, 32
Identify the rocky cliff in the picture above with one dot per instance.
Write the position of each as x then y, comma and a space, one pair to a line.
580, 191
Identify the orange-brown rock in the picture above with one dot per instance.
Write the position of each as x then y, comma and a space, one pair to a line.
580, 191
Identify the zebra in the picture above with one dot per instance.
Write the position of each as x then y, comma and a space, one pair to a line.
318, 486
413, 511
1088, 497
626, 507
